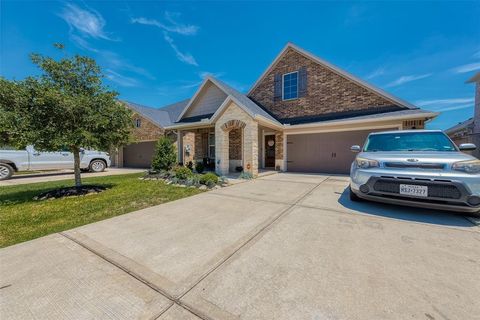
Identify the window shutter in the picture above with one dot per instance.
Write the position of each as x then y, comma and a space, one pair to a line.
302, 82
277, 87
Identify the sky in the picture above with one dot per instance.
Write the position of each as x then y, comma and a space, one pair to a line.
155, 53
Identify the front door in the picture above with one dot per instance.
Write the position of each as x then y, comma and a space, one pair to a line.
270, 151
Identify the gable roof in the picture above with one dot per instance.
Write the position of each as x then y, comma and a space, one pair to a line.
459, 126
336, 70
162, 117
232, 94
475, 78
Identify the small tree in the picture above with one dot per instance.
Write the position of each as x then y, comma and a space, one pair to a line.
65, 106
165, 156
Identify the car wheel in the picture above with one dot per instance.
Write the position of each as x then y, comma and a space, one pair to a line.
353, 196
6, 171
97, 166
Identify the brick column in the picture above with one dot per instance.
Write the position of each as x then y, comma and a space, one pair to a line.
179, 146
250, 148
221, 150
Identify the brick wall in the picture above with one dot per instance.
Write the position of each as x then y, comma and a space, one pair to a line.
188, 140
327, 92
279, 146
147, 130
235, 144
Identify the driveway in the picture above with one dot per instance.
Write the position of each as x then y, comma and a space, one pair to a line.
64, 175
285, 246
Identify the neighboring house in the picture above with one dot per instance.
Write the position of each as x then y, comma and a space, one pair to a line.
149, 126
468, 131
302, 114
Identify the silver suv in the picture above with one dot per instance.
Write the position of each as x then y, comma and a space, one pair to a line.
419, 168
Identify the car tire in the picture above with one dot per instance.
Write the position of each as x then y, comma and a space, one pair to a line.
353, 196
97, 166
6, 171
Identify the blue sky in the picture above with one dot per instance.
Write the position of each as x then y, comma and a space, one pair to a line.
155, 53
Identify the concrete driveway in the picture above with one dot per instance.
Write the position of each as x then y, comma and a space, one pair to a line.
285, 246
64, 175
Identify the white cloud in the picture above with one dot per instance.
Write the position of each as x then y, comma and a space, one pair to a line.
114, 61
184, 57
121, 80
443, 102
82, 43
461, 106
477, 54
204, 74
409, 78
375, 73
87, 22
174, 27
467, 67
446, 104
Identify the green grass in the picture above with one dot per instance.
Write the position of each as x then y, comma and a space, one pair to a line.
22, 218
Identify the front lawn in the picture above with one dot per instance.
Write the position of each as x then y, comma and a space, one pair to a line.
22, 218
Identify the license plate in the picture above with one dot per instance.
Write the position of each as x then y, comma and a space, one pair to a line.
414, 190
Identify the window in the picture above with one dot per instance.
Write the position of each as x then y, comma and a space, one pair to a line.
211, 145
138, 123
409, 141
290, 86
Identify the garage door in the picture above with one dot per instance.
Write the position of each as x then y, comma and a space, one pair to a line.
324, 152
138, 155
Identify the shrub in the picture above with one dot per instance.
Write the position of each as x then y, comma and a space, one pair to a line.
194, 180
165, 155
223, 180
183, 173
190, 165
199, 167
209, 179
246, 175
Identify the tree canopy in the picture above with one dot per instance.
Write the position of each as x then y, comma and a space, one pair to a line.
66, 106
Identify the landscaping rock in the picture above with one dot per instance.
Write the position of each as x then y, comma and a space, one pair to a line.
203, 187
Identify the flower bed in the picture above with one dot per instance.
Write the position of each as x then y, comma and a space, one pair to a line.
185, 177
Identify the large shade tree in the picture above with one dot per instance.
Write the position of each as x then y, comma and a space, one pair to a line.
66, 106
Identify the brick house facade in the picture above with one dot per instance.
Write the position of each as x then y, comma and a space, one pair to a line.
326, 93
145, 129
301, 114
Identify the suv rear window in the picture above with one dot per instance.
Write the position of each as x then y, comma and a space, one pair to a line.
409, 141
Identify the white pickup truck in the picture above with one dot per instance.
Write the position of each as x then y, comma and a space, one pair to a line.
12, 160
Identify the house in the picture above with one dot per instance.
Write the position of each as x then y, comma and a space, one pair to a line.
468, 131
302, 114
149, 126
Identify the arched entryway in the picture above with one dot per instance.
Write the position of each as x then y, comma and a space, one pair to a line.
232, 139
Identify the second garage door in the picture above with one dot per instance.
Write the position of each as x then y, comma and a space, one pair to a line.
138, 155
323, 152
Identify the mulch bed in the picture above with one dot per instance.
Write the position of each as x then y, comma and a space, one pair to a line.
70, 192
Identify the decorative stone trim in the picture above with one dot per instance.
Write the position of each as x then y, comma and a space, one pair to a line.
233, 124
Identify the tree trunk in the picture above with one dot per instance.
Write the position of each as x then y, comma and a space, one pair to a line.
76, 167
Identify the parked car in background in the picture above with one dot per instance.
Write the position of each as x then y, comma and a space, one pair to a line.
420, 168
12, 160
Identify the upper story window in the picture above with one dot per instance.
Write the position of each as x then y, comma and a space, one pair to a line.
138, 123
290, 85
